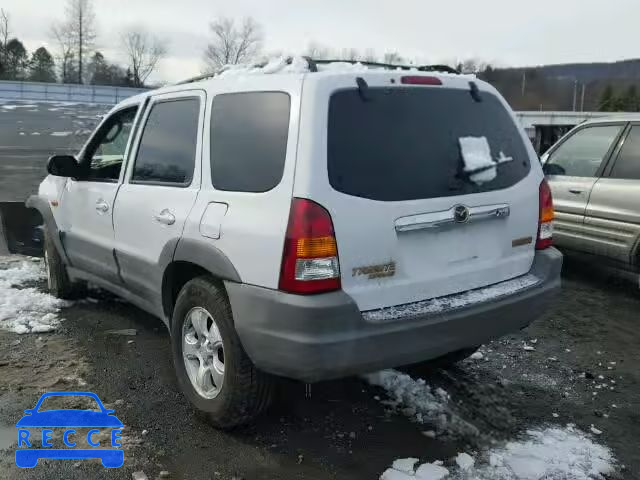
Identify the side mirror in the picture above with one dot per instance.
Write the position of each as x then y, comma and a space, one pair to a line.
552, 169
63, 166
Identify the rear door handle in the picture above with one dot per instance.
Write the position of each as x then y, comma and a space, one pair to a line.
102, 206
165, 217
575, 191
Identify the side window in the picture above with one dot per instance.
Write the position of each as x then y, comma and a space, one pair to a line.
582, 153
167, 151
628, 163
249, 133
106, 152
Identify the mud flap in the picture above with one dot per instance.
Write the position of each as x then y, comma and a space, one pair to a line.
21, 230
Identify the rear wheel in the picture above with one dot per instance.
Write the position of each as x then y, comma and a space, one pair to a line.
213, 369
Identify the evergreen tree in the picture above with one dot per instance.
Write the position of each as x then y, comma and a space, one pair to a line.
42, 66
606, 100
631, 100
16, 60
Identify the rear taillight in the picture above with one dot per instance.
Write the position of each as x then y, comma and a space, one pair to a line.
420, 80
545, 222
310, 258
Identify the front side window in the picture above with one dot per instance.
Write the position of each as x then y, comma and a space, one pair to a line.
249, 133
627, 165
167, 150
582, 154
105, 155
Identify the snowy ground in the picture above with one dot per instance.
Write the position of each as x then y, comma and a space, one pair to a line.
24, 308
530, 406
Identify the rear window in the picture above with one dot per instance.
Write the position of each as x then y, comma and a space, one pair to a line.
403, 143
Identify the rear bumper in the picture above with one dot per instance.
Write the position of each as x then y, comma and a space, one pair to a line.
313, 338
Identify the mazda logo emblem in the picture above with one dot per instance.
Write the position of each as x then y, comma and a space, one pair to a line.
461, 214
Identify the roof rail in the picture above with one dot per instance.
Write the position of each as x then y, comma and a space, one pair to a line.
196, 79
313, 67
421, 68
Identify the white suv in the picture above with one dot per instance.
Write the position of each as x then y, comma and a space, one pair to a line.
309, 221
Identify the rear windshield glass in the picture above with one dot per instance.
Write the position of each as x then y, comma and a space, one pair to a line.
403, 143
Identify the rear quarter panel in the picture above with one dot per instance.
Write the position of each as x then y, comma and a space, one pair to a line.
251, 229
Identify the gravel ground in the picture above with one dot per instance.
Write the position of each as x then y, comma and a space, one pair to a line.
344, 430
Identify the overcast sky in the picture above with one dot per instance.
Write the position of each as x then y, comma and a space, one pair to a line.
504, 32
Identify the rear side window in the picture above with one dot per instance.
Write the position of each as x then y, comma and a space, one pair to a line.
249, 133
627, 165
167, 150
403, 143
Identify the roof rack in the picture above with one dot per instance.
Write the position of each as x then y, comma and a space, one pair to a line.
422, 68
313, 67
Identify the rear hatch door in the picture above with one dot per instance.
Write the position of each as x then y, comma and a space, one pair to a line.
390, 163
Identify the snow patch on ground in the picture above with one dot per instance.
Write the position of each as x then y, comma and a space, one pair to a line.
553, 453
13, 107
25, 309
61, 134
450, 302
422, 403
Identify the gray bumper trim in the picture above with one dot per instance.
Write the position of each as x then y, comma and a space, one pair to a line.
319, 337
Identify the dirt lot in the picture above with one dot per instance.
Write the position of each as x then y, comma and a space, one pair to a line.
580, 363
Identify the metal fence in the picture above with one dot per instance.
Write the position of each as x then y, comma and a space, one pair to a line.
35, 91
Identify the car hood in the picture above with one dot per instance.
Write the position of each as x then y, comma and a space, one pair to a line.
69, 418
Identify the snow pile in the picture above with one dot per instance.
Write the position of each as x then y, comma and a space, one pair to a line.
450, 302
549, 454
26, 310
403, 470
275, 65
422, 403
300, 65
476, 154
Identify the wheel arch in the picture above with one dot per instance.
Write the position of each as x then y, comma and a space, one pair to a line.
191, 259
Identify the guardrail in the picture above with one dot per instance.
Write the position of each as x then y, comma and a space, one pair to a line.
61, 92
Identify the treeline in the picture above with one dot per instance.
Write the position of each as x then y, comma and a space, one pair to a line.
75, 58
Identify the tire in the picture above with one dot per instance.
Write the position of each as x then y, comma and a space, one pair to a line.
58, 282
444, 362
245, 391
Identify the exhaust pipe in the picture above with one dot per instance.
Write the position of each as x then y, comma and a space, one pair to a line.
21, 230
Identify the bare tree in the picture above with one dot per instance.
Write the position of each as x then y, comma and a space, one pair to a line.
144, 51
65, 56
318, 51
80, 27
232, 44
392, 58
4, 32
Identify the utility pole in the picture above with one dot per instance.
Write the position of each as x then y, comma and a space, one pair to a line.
575, 94
80, 27
584, 88
524, 82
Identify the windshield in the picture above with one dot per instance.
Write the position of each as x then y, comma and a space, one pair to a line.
404, 143
63, 402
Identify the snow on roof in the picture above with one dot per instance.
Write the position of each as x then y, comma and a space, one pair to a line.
300, 65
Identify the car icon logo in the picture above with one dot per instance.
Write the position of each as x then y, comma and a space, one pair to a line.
28, 452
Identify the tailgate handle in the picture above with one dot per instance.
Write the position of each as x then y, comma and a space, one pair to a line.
457, 215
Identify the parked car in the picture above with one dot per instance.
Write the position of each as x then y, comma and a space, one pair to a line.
594, 174
309, 224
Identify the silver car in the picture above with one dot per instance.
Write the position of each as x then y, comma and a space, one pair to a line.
594, 174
